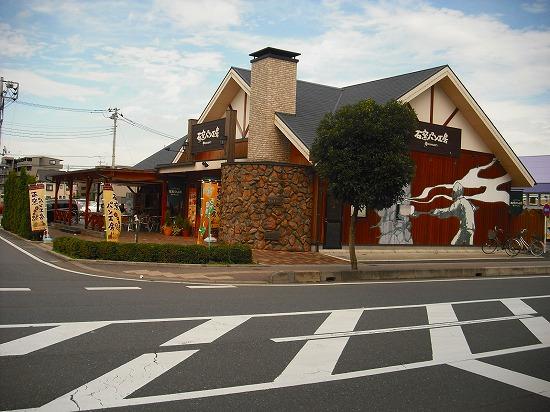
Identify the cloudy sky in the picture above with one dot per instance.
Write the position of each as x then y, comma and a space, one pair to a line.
160, 61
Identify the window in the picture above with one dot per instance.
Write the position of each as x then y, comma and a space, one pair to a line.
524, 200
533, 200
29, 167
53, 162
49, 187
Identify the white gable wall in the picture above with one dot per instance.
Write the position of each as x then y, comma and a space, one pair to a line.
443, 108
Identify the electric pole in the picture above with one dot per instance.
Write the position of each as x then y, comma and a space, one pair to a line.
11, 93
114, 116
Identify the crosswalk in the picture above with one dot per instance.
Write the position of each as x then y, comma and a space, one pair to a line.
313, 357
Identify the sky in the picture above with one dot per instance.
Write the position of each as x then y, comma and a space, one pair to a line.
160, 62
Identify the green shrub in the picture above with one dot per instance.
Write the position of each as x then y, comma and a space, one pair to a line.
151, 252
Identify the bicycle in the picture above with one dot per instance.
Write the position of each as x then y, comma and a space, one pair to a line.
510, 245
535, 246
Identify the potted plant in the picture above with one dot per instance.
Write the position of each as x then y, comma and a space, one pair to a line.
167, 228
179, 224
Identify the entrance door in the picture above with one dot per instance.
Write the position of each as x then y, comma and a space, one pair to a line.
333, 224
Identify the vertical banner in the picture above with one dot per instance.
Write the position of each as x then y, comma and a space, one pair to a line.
37, 201
113, 217
192, 205
209, 209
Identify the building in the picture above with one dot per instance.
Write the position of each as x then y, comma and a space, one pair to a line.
539, 195
253, 140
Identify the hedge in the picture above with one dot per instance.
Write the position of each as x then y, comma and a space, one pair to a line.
16, 215
152, 252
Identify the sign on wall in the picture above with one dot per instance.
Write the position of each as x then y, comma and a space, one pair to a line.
436, 139
37, 202
208, 136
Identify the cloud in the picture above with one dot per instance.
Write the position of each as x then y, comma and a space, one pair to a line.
205, 15
37, 85
14, 43
536, 7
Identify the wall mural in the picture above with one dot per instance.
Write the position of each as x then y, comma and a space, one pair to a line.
396, 228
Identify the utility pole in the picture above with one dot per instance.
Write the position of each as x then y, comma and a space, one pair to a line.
114, 116
11, 93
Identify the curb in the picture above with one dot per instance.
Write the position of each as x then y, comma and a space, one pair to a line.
362, 275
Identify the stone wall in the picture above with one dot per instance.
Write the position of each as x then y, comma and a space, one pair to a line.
267, 205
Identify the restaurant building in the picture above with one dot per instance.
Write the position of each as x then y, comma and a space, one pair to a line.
248, 153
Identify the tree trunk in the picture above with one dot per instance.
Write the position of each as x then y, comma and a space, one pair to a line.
352, 223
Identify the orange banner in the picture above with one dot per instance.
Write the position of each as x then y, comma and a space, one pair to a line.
209, 209
113, 217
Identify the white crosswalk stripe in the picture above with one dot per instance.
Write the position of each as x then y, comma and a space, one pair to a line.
314, 362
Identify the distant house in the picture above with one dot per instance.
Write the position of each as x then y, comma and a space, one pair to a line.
538, 195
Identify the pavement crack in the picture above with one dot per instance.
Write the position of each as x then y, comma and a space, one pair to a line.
73, 400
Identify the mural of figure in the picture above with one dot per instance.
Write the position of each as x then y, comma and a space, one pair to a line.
464, 210
462, 207
395, 229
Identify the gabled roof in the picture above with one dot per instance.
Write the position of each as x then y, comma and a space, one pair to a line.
314, 100
161, 157
538, 166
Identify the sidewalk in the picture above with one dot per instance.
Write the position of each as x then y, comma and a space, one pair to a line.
375, 263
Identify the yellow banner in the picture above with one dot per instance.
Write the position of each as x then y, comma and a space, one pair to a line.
113, 217
37, 201
209, 209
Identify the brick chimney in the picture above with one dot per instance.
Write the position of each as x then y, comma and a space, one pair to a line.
273, 89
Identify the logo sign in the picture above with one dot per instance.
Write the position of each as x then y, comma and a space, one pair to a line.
113, 217
516, 203
37, 202
546, 210
436, 139
208, 136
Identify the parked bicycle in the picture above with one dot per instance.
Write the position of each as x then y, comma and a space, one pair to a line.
497, 240
534, 246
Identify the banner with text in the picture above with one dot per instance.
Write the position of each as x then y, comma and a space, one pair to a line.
113, 217
209, 208
37, 201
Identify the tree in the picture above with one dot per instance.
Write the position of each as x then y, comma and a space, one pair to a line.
363, 152
16, 216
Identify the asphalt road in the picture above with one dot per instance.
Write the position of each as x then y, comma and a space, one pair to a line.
74, 342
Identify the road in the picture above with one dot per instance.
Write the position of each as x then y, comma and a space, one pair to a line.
73, 342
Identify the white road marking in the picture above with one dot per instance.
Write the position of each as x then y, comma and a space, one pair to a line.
15, 289
111, 388
319, 357
43, 339
206, 393
540, 327
210, 286
519, 380
448, 343
267, 315
336, 284
397, 329
518, 307
209, 331
112, 288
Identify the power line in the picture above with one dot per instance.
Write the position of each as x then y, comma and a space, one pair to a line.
147, 128
67, 109
54, 133
31, 136
50, 126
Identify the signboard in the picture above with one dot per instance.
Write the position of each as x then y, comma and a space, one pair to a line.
208, 136
113, 216
436, 139
210, 218
516, 203
37, 202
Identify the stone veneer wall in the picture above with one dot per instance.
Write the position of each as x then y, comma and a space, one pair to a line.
267, 205
273, 89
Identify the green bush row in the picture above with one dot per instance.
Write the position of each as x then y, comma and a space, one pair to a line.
152, 252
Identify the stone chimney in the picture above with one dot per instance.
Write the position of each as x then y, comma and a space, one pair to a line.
273, 89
